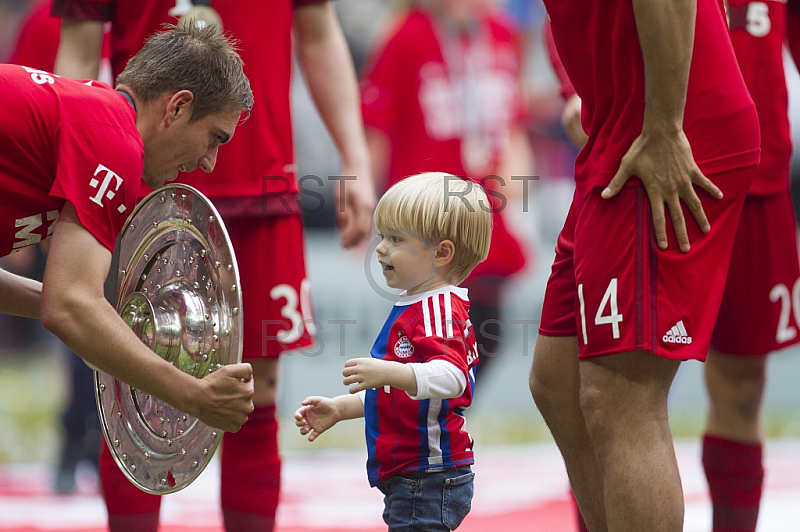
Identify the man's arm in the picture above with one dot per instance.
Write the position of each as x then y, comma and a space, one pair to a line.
79, 49
74, 309
328, 68
661, 156
21, 296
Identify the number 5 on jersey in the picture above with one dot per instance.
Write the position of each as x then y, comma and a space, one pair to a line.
613, 318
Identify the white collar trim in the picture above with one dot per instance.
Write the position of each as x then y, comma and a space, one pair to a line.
410, 300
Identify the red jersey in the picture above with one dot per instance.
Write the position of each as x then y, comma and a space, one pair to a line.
599, 46
406, 435
758, 31
447, 104
64, 140
259, 161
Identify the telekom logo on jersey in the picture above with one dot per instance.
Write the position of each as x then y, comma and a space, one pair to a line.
103, 186
106, 189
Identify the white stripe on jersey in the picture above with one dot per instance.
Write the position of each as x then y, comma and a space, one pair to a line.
437, 314
426, 316
436, 308
448, 314
434, 432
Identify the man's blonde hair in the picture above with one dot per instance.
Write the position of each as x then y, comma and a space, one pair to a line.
438, 206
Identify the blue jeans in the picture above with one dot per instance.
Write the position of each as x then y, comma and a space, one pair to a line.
428, 502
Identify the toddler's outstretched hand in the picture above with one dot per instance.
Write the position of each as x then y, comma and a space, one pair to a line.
317, 415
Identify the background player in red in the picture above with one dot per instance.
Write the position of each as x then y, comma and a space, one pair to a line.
756, 316
255, 189
664, 102
442, 93
434, 228
80, 153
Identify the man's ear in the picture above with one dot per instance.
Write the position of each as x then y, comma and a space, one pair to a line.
179, 105
445, 253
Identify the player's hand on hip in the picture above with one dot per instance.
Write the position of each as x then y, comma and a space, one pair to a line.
227, 397
315, 416
665, 165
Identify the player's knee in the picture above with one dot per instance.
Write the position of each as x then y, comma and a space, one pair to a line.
741, 392
543, 390
596, 407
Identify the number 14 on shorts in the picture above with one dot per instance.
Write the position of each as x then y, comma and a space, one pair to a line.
613, 317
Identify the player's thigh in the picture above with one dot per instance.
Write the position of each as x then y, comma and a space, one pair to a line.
633, 296
760, 310
276, 295
558, 309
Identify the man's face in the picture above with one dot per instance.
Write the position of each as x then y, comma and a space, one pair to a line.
185, 146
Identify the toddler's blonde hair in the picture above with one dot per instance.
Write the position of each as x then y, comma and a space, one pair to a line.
438, 206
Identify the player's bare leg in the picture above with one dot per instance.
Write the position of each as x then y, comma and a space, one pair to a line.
265, 381
555, 386
624, 402
735, 392
250, 460
732, 445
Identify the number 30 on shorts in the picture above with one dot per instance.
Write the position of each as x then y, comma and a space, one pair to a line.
295, 309
613, 318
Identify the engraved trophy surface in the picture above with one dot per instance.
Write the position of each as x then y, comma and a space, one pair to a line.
178, 290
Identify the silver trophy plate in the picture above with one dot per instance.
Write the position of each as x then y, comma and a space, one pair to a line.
178, 290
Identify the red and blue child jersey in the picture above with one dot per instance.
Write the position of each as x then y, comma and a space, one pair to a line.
405, 435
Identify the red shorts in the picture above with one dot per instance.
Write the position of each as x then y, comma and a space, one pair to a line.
276, 294
760, 309
613, 288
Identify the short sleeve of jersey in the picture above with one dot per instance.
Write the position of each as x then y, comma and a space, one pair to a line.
441, 331
453, 350
793, 30
99, 171
84, 9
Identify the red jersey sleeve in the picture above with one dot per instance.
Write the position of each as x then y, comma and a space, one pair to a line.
99, 171
84, 9
442, 331
793, 30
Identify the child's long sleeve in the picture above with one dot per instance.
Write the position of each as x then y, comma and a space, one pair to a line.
438, 379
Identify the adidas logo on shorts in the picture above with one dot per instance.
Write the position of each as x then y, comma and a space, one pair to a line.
677, 335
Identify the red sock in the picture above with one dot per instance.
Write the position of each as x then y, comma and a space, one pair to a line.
129, 508
251, 473
735, 478
581, 523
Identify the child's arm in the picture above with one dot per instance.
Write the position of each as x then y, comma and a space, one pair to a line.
318, 414
437, 379
369, 372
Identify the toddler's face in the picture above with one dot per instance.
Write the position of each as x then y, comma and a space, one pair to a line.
406, 260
